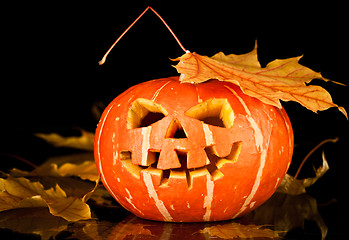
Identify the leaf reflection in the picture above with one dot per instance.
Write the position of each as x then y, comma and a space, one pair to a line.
286, 212
32, 221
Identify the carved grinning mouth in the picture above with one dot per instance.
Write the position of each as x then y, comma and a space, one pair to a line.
143, 113
213, 168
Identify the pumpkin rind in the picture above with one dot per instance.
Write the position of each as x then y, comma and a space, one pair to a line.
143, 167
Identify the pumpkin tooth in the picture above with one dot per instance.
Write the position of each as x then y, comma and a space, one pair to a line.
179, 177
196, 158
168, 157
216, 174
132, 168
195, 175
155, 173
126, 158
164, 178
232, 157
152, 157
235, 152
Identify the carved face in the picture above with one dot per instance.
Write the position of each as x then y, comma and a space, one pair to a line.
182, 152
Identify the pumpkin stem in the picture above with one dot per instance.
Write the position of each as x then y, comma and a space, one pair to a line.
311, 152
158, 15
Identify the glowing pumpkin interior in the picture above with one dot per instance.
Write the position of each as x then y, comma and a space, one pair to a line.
187, 153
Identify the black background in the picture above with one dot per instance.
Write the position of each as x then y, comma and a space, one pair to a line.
51, 77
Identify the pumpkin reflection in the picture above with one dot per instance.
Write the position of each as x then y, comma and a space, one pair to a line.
133, 227
281, 212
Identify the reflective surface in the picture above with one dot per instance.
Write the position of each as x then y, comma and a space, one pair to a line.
281, 217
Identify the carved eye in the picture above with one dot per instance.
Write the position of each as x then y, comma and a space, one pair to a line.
143, 113
214, 111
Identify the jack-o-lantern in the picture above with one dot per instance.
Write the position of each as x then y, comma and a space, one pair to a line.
184, 152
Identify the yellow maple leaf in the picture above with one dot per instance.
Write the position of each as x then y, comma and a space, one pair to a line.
292, 186
281, 79
83, 142
85, 170
21, 193
238, 231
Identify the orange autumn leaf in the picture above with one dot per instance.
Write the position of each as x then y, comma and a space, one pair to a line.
281, 79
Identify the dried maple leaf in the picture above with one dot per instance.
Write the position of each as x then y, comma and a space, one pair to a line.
63, 185
281, 79
22, 193
292, 186
86, 171
239, 231
83, 142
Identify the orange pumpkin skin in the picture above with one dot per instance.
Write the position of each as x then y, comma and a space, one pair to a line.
213, 172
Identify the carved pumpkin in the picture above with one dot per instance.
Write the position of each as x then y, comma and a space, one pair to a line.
182, 152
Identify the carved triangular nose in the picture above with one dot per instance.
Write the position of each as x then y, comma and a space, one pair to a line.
175, 130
